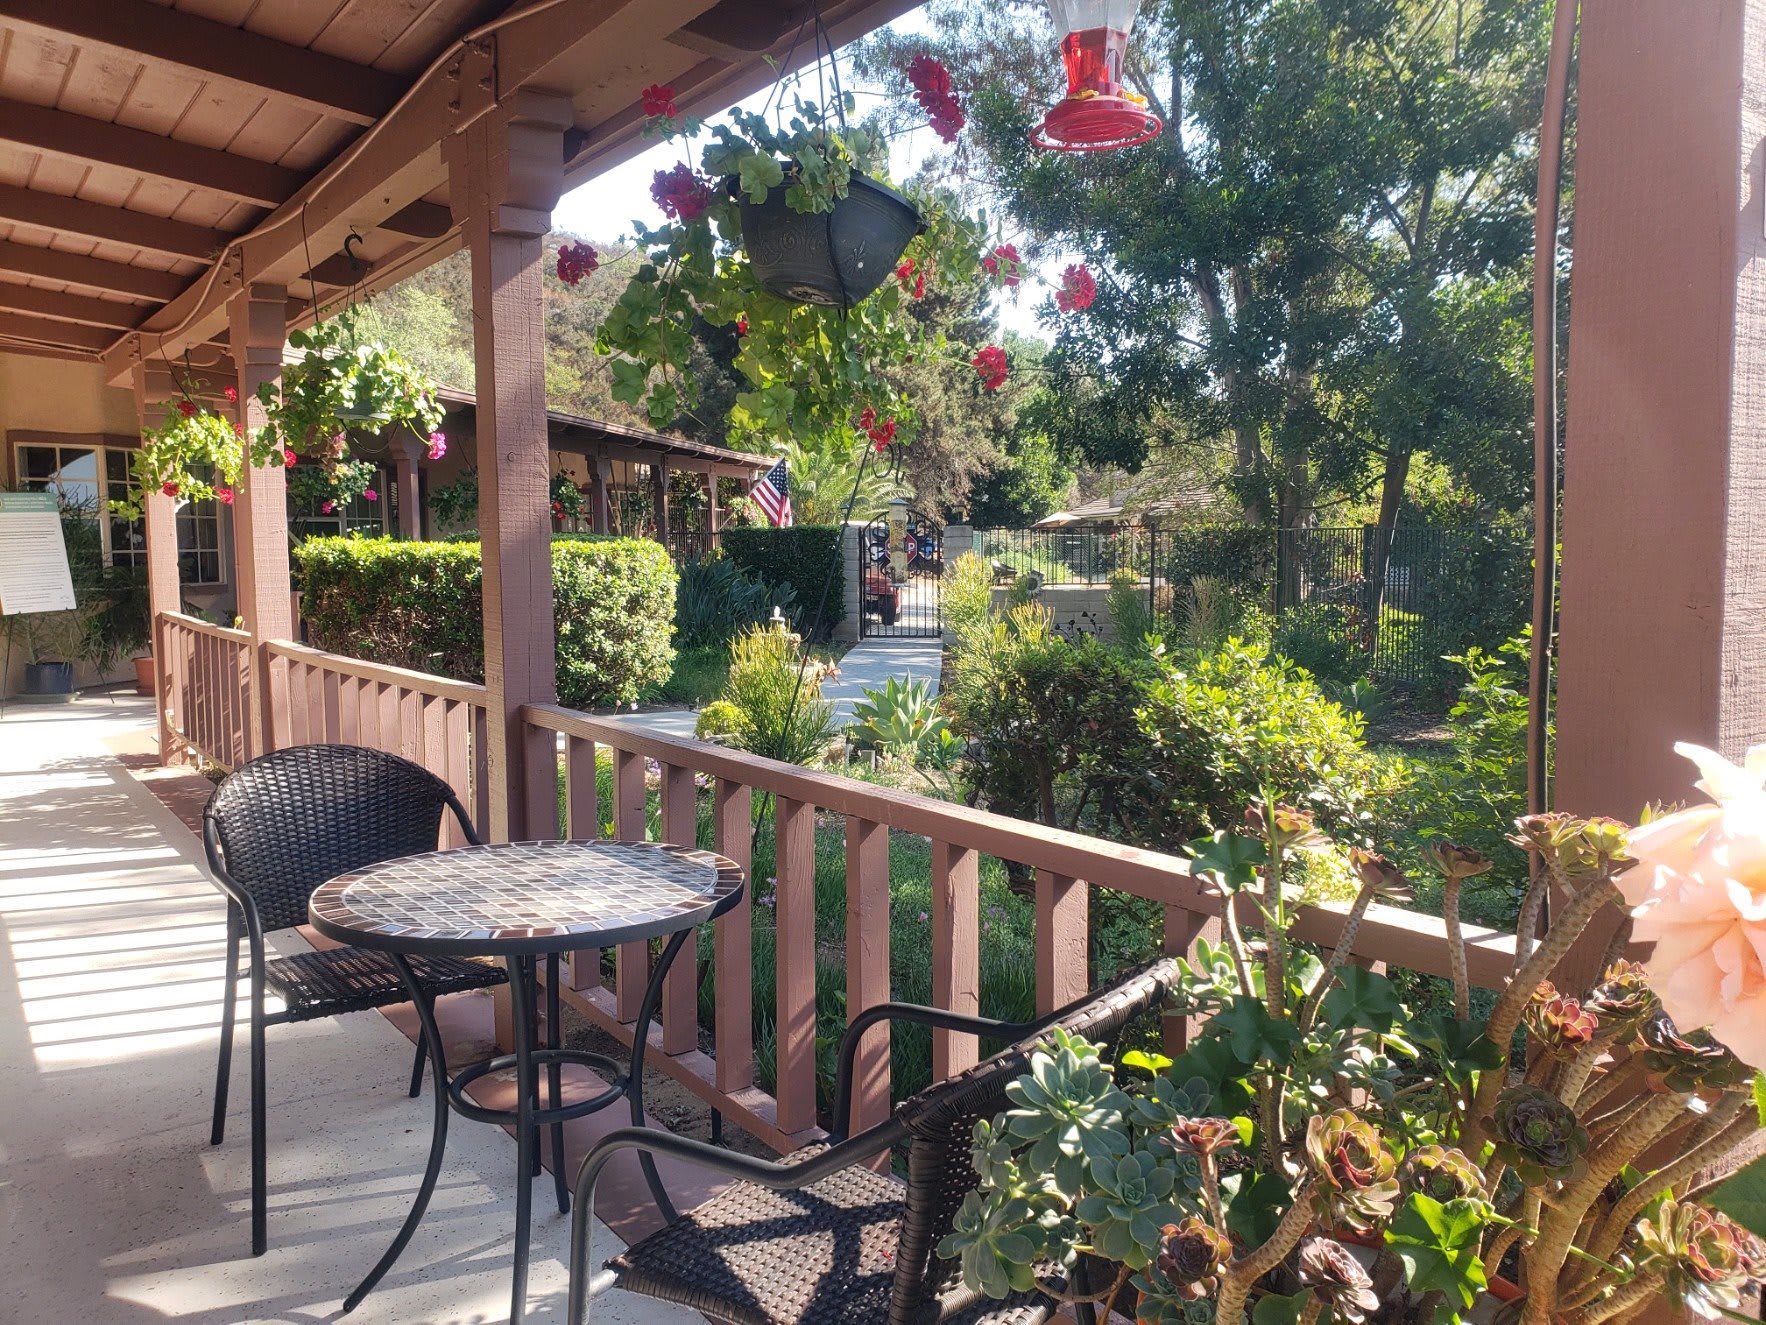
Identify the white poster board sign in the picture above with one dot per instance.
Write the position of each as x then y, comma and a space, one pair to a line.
34, 574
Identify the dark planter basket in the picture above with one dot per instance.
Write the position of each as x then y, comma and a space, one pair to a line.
834, 258
49, 678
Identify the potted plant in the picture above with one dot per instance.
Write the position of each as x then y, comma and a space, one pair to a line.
1332, 1143
116, 625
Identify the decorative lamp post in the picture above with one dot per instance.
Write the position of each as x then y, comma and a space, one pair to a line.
1097, 113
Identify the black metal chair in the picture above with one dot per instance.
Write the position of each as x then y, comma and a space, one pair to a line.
274, 831
821, 1238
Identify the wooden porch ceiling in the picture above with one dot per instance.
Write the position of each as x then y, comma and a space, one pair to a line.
156, 155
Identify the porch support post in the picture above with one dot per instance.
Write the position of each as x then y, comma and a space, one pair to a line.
257, 328
163, 591
600, 496
1663, 634
659, 498
405, 475
505, 174
714, 518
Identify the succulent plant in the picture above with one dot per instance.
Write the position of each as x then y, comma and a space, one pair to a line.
1538, 1135
1440, 1173
1455, 861
1356, 1187
1190, 1253
1162, 1101
1688, 1060
1703, 1258
1128, 1202
1623, 999
987, 1238
1380, 874
1559, 1025
1205, 1136
1335, 1278
1068, 1109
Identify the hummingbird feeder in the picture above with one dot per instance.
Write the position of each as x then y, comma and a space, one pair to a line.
1098, 113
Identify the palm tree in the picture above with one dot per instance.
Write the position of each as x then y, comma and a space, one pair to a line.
822, 478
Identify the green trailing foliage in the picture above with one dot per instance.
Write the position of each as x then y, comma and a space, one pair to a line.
800, 558
421, 605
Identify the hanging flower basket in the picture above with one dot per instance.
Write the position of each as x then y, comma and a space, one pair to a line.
834, 258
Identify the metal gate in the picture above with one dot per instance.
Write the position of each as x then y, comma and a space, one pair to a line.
902, 596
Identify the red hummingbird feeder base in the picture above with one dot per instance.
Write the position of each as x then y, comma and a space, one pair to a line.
1094, 123
1097, 113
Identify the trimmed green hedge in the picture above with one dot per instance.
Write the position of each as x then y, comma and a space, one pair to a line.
421, 605
801, 556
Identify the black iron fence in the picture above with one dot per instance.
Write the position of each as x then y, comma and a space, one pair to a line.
1392, 612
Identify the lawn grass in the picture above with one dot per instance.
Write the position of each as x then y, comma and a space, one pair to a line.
698, 677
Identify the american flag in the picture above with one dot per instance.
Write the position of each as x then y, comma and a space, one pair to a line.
773, 495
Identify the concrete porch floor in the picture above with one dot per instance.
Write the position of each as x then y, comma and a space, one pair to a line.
113, 1207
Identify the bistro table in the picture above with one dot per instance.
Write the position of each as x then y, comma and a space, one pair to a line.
521, 901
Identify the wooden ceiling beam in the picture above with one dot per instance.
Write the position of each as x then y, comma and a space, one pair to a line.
98, 142
154, 34
92, 220
92, 273
420, 220
47, 331
72, 307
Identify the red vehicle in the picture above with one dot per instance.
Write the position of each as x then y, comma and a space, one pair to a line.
882, 596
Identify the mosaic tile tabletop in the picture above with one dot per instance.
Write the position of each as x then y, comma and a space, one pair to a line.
526, 897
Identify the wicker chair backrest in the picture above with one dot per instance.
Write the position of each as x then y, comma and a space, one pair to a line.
941, 1118
292, 819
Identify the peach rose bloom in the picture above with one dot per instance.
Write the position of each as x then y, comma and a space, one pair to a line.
1698, 892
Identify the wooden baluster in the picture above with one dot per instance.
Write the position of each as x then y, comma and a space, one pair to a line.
395, 732
632, 965
456, 758
1182, 929
867, 964
1061, 939
541, 814
349, 710
297, 703
314, 703
478, 759
956, 952
582, 820
680, 988
332, 699
794, 915
733, 1024
368, 714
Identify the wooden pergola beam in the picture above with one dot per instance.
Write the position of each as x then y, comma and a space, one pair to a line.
91, 273
98, 142
47, 331
83, 308
154, 34
116, 225
419, 220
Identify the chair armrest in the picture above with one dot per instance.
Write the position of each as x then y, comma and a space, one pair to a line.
937, 1018
247, 904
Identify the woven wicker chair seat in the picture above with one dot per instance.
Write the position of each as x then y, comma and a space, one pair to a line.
339, 980
821, 1256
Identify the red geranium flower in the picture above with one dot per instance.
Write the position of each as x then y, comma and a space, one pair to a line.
232, 394
741, 326
928, 74
912, 278
990, 362
224, 495
239, 431
931, 83
1077, 291
680, 193
169, 488
288, 457
576, 261
659, 101
1003, 264
187, 408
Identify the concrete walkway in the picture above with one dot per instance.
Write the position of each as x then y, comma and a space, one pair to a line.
868, 665
114, 1210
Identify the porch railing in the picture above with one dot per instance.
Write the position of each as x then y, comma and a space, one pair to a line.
440, 723
204, 678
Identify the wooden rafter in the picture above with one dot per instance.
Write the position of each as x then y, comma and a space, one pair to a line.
420, 220
72, 307
77, 138
158, 35
76, 216
92, 273
47, 331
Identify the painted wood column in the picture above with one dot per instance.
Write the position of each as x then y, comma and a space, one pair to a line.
257, 328
164, 593
714, 518
405, 455
1663, 634
505, 174
659, 499
600, 494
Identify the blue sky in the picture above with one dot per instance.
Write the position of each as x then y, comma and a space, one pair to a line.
606, 207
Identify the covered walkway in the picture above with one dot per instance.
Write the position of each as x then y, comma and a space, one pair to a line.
113, 1207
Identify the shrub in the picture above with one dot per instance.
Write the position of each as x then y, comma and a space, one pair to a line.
803, 558
1224, 728
421, 605
968, 597
1131, 615
772, 704
717, 598
1322, 638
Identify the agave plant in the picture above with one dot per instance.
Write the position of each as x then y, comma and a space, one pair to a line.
903, 718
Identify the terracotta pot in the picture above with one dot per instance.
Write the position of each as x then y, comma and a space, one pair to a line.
144, 675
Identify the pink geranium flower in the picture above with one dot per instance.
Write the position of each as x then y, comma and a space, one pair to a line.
438, 445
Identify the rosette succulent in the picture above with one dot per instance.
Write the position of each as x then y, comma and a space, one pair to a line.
1128, 1202
1068, 1108
1190, 1253
1440, 1173
1559, 1025
1623, 999
1688, 1060
1703, 1258
1538, 1135
1379, 874
1455, 861
1356, 1185
1335, 1278
1205, 1136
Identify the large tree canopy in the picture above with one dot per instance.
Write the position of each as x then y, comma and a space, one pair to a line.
1319, 267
